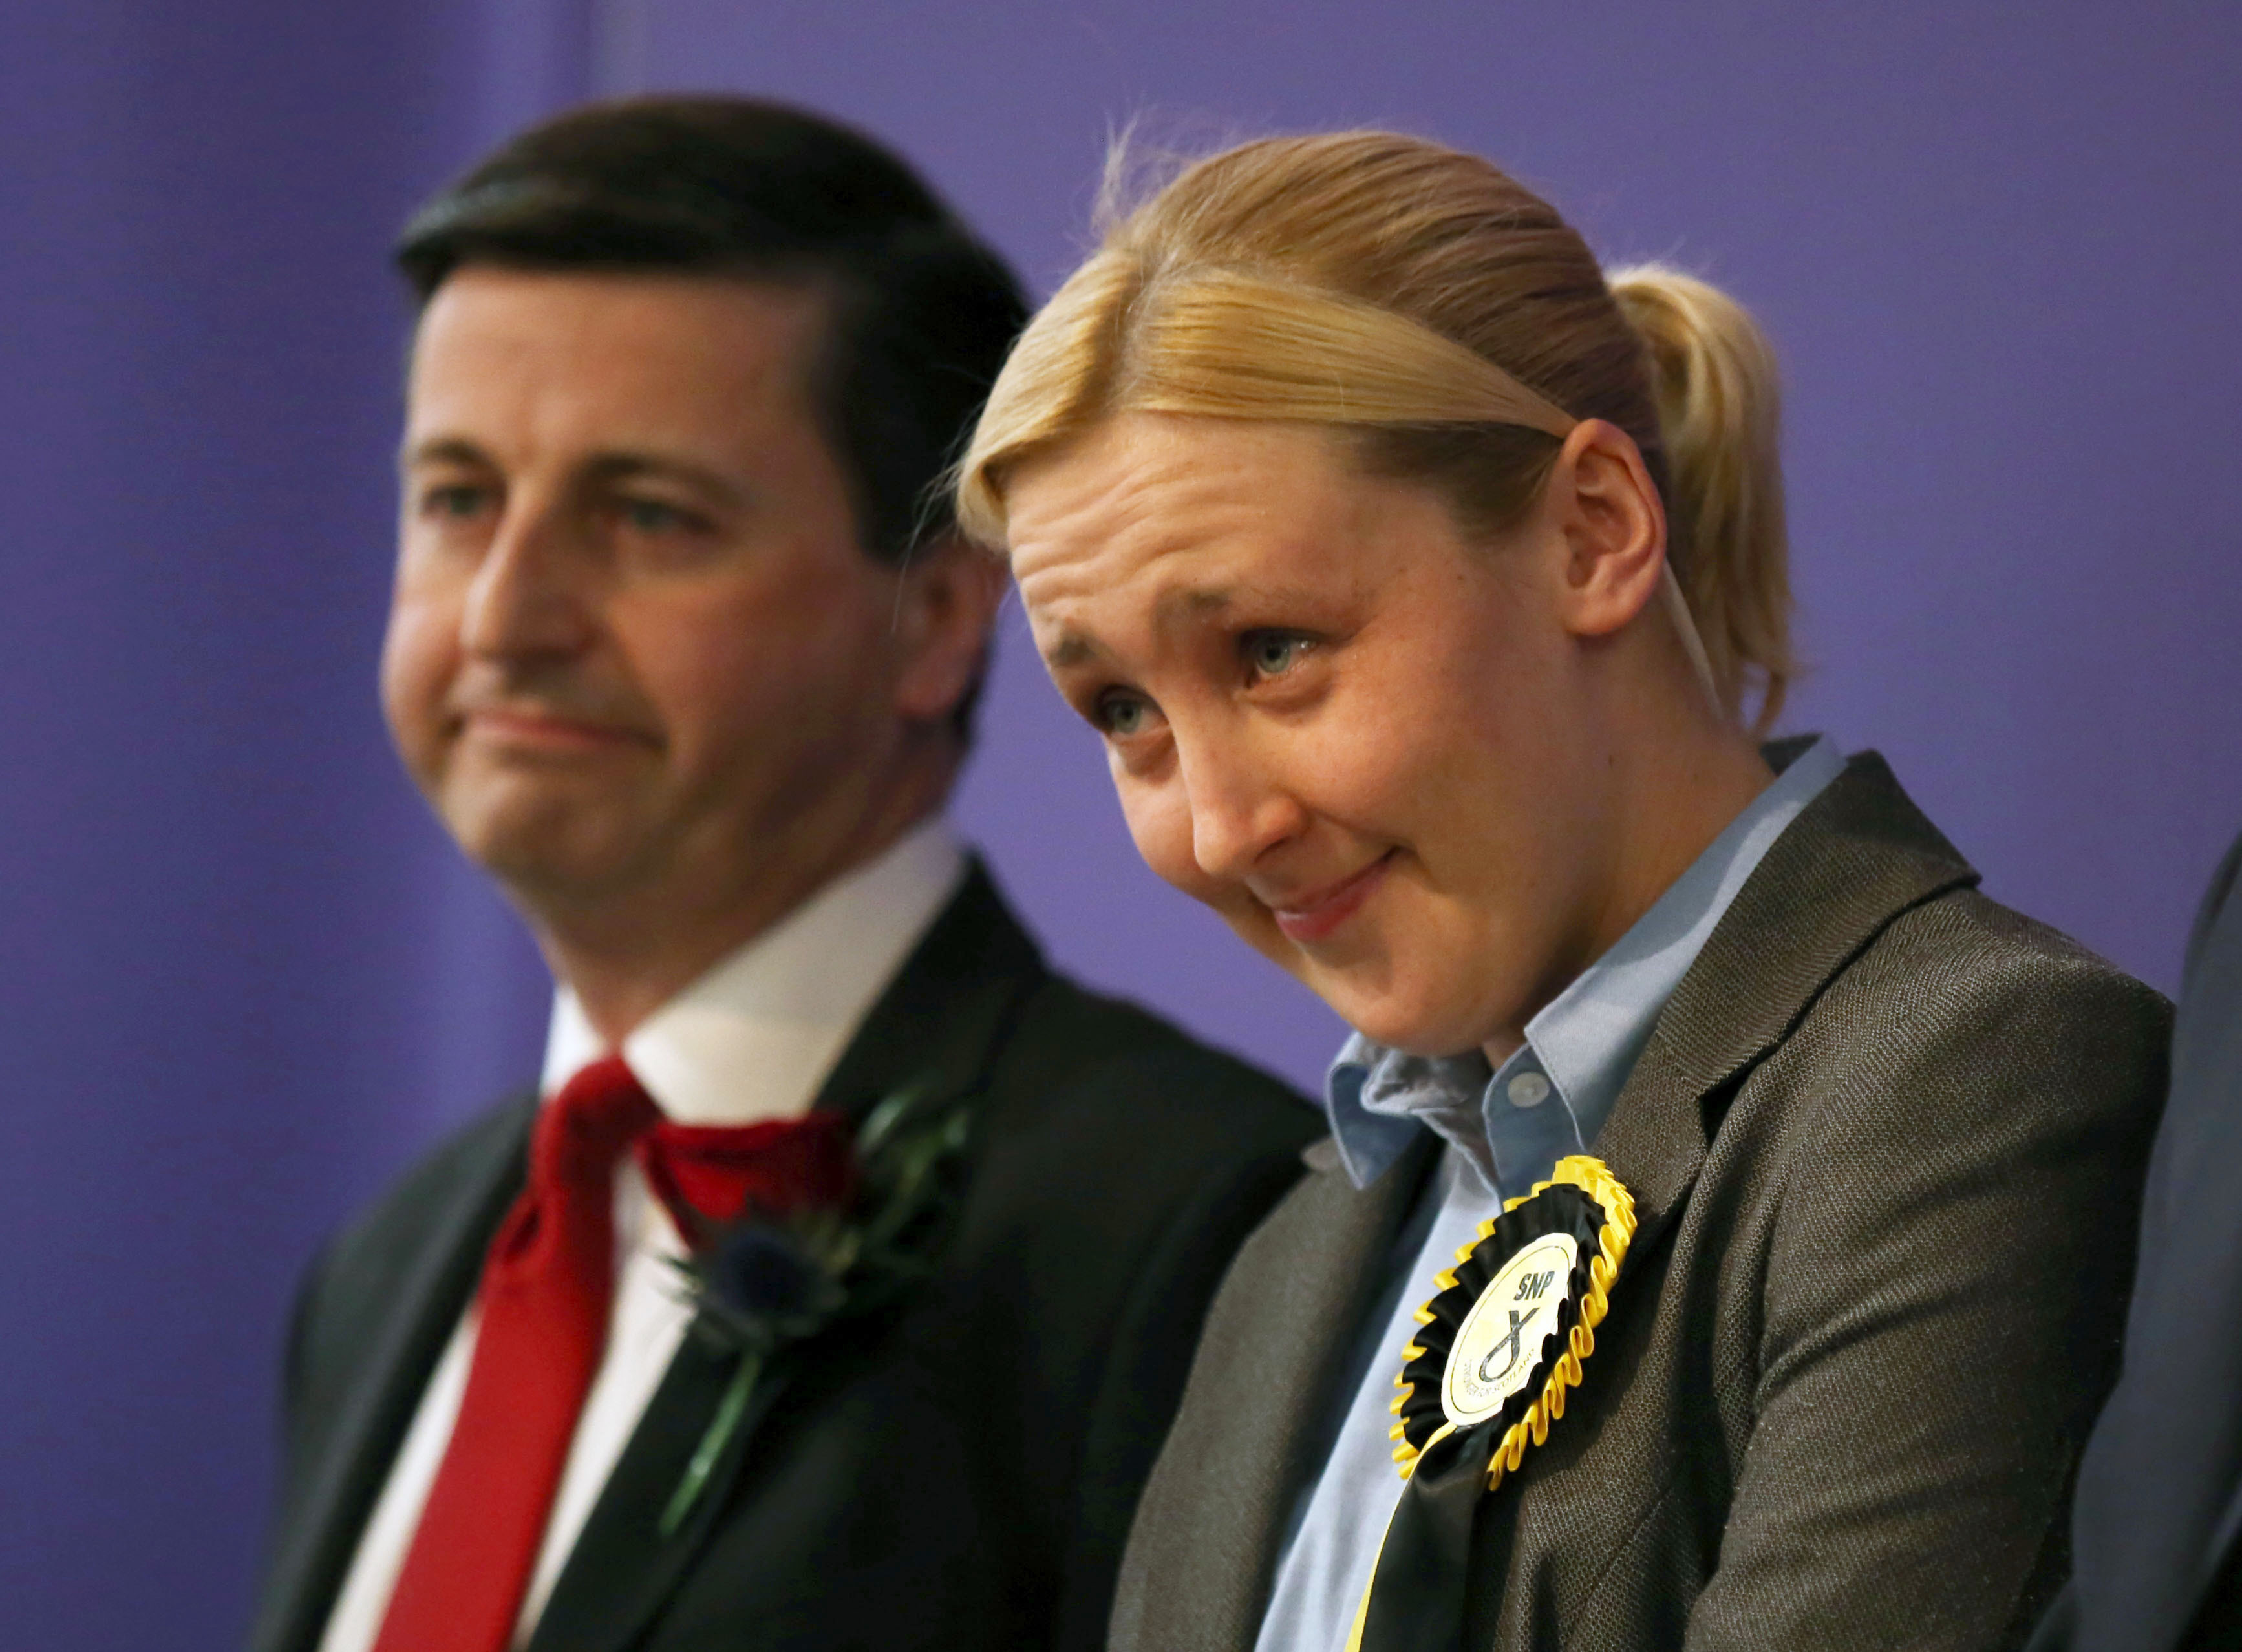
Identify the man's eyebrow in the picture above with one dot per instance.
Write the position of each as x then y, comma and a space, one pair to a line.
620, 464
624, 465
443, 450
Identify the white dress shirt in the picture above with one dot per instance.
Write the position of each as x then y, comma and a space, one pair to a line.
753, 1039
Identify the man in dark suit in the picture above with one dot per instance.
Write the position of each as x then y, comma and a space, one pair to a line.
681, 655
2155, 1562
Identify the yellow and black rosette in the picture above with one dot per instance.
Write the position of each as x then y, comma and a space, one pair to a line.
1501, 1342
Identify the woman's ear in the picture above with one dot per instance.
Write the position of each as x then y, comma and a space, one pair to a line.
1603, 503
946, 610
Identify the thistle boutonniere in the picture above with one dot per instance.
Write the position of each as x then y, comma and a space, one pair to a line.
771, 1279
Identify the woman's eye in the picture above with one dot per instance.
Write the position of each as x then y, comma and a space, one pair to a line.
1122, 715
1272, 653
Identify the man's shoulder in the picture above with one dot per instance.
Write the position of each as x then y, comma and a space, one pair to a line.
1120, 1066
477, 1167
402, 1269
1060, 1068
1129, 1141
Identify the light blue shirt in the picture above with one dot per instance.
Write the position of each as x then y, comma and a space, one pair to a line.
1504, 1130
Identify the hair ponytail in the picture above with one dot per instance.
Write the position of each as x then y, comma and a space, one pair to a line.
1719, 402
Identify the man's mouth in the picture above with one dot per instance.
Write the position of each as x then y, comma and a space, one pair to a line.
528, 728
1310, 916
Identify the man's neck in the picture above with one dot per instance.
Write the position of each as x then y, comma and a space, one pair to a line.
755, 1035
625, 958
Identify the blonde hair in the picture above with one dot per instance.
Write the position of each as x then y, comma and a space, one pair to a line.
1453, 325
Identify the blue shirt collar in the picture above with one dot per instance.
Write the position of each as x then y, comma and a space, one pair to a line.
1585, 1042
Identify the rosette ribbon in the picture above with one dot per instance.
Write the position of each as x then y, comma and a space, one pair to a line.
1501, 1340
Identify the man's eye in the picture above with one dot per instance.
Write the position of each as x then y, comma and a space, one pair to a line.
652, 516
455, 502
1272, 653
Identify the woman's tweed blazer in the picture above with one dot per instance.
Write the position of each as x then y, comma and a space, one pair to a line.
1887, 1143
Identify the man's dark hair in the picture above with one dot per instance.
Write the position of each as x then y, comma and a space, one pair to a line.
921, 313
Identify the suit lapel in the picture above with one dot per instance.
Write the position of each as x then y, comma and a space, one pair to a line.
622, 1568
321, 1535
1857, 856
946, 1017
933, 1034
1203, 1550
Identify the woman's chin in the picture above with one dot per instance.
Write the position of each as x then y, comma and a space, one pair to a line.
1415, 1028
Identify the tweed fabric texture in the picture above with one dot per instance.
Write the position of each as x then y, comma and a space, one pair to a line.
1886, 1144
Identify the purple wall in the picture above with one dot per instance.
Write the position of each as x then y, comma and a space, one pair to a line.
240, 974
1997, 248
242, 977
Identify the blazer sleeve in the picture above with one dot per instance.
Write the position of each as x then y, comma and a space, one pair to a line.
1944, 1283
1147, 1360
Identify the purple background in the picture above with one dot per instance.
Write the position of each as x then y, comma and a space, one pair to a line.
243, 979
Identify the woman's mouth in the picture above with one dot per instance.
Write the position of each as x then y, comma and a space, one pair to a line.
1310, 918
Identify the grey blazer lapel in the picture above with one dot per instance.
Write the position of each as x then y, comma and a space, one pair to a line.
1858, 856
1202, 1548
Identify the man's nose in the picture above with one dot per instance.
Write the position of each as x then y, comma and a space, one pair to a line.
528, 596
1239, 811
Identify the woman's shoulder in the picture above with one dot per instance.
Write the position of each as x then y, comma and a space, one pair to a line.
1924, 962
1964, 1025
1963, 963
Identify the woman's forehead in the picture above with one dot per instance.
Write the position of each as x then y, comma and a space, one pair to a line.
1110, 554
1144, 488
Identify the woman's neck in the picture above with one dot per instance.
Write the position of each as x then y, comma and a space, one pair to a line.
1686, 773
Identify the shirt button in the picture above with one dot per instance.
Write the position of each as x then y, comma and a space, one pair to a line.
1528, 1090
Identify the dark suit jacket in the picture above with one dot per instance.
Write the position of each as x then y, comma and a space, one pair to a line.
1885, 1143
2161, 1490
958, 1474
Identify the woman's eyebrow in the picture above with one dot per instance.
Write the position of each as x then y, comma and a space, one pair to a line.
1072, 648
1197, 601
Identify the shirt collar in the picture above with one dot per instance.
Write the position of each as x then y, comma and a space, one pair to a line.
754, 1036
1586, 1039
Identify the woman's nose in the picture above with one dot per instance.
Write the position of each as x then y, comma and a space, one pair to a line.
1238, 814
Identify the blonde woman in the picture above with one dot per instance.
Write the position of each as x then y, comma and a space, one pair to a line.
1427, 589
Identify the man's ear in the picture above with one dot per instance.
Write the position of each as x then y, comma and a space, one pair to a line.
946, 604
1603, 503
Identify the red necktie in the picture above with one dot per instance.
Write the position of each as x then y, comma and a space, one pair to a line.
546, 1287
719, 1173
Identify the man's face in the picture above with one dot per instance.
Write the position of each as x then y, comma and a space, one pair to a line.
636, 652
